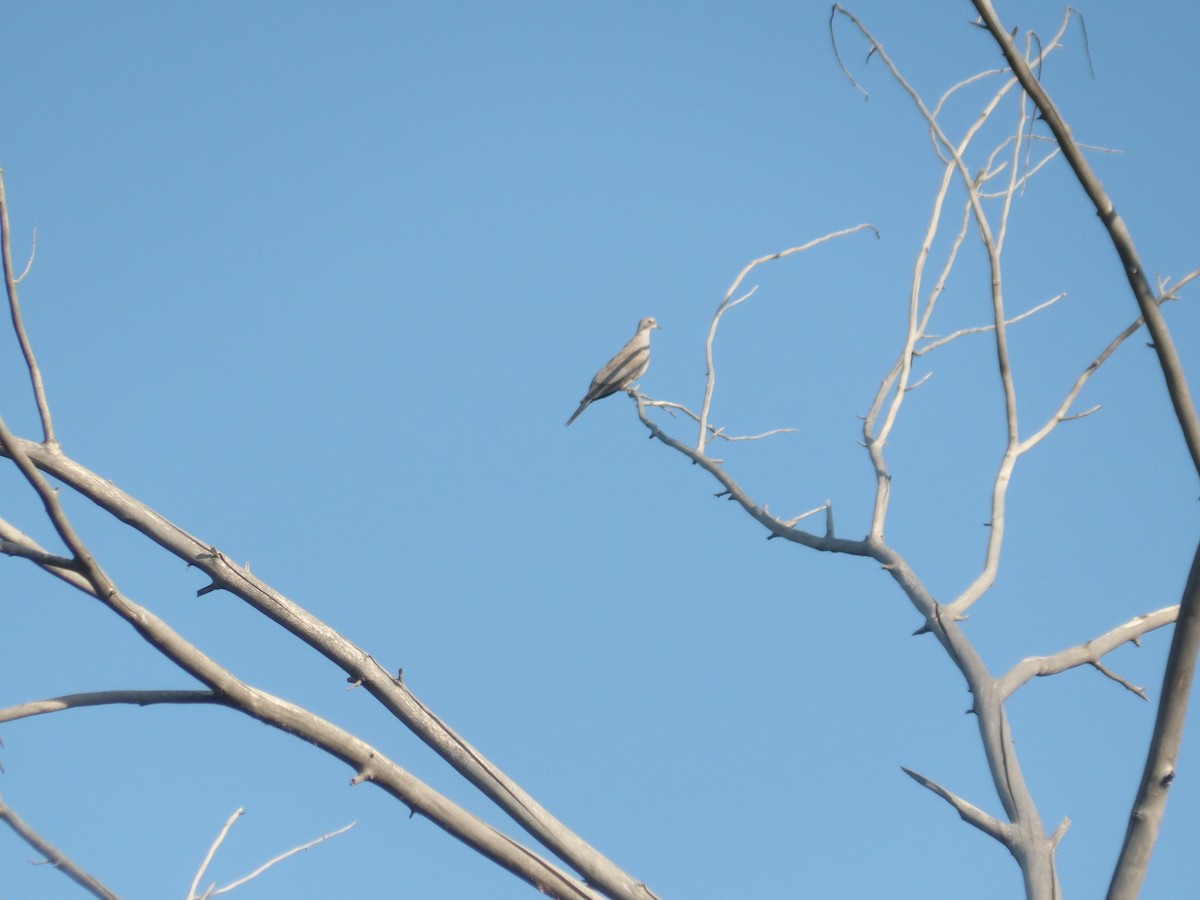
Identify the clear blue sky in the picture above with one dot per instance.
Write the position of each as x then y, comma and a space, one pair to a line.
322, 282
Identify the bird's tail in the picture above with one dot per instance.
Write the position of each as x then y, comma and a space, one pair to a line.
575, 415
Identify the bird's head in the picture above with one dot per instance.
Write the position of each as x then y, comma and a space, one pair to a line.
648, 323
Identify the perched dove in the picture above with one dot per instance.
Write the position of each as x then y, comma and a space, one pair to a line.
623, 369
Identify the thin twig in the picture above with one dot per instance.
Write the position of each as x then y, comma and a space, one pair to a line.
369, 762
728, 303
393, 694
1122, 240
14, 306
933, 345
280, 858
714, 432
212, 850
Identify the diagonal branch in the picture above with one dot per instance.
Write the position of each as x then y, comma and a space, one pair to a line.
233, 885
728, 303
969, 813
979, 329
1122, 240
1150, 803
777, 527
713, 431
368, 762
212, 851
1087, 653
53, 855
14, 542
360, 666
14, 307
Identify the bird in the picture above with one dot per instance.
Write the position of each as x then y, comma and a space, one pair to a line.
622, 370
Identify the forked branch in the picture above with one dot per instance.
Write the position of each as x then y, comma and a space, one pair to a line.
1087, 653
728, 302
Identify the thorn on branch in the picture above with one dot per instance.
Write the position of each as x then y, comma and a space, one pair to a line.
208, 589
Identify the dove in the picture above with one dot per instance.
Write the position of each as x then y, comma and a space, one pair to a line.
622, 370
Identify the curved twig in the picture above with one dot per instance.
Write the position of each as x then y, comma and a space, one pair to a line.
14, 307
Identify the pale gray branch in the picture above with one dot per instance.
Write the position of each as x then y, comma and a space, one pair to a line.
53, 855
969, 813
212, 851
728, 303
368, 762
934, 344
1087, 653
280, 858
393, 694
1168, 291
14, 308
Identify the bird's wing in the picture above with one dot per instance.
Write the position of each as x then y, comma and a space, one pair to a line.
622, 370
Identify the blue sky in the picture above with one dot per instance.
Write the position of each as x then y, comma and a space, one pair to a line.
321, 284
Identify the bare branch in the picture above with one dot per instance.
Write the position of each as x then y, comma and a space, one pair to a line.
393, 694
1125, 683
20, 544
107, 698
212, 850
53, 855
29, 262
42, 558
1169, 292
1060, 414
1060, 831
1087, 653
280, 858
969, 813
728, 303
1145, 817
714, 432
14, 307
1122, 240
933, 345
